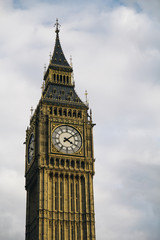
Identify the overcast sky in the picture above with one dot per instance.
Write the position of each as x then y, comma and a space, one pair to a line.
115, 46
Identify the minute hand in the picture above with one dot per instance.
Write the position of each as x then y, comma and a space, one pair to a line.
69, 137
66, 139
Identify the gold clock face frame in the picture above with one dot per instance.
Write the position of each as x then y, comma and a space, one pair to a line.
66, 139
31, 148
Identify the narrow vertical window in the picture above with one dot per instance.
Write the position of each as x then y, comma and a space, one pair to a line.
83, 195
61, 194
67, 80
72, 233
74, 113
71, 196
56, 237
60, 78
64, 79
79, 114
69, 113
55, 111
50, 110
60, 111
77, 232
56, 195
77, 196
64, 112
61, 233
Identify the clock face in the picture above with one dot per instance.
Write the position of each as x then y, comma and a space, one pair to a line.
31, 148
66, 139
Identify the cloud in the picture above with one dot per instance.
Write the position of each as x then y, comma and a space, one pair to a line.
149, 7
116, 56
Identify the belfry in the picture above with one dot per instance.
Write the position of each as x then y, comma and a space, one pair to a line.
59, 165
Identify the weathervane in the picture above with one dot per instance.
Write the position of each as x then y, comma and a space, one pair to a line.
57, 25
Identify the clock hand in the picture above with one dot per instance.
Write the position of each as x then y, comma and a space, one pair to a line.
69, 137
66, 139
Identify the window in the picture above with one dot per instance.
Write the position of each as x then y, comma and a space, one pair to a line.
61, 232
74, 113
67, 163
82, 165
64, 112
77, 196
83, 195
57, 162
72, 232
79, 114
52, 161
69, 113
60, 78
72, 163
71, 196
62, 162
57, 78
64, 79
55, 111
60, 111
56, 195
56, 233
61, 195
67, 80
50, 110
77, 232
77, 164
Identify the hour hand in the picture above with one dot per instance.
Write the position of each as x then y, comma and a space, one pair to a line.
67, 139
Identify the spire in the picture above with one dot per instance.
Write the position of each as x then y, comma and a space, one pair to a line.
57, 25
58, 57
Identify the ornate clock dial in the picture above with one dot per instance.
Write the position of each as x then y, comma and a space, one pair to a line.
66, 139
31, 148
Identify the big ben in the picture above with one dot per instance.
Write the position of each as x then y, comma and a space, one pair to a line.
59, 165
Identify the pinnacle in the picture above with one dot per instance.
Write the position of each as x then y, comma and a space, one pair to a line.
58, 57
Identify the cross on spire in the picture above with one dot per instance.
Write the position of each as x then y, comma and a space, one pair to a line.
57, 25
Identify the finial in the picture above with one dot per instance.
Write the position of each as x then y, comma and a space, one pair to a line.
31, 111
50, 56
44, 69
86, 94
42, 87
71, 61
90, 114
57, 25
72, 74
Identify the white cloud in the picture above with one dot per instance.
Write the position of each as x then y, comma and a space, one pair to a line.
116, 55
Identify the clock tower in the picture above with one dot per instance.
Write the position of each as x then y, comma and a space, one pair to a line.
59, 165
